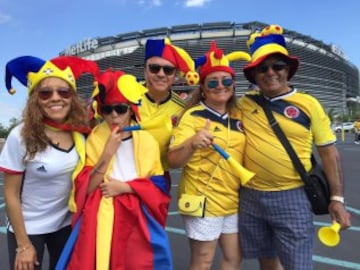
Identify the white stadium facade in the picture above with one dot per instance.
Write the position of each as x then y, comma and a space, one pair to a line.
324, 70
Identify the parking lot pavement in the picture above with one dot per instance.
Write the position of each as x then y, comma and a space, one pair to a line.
344, 256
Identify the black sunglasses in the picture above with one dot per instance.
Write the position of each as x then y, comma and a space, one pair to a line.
155, 69
118, 108
277, 66
47, 93
215, 83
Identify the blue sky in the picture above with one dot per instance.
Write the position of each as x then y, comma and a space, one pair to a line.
45, 28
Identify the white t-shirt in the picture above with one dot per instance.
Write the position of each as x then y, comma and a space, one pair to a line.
46, 184
124, 166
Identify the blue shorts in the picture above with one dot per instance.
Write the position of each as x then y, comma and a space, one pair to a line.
277, 223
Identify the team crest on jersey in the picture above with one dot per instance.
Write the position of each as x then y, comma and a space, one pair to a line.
174, 119
291, 112
240, 126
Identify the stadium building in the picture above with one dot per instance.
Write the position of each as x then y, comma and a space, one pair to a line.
324, 70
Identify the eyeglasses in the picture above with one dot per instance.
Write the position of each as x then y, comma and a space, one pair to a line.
155, 69
277, 66
118, 108
47, 93
215, 83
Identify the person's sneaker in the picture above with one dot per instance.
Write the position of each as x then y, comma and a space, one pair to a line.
357, 142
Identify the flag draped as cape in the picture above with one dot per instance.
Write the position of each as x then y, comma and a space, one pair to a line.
126, 231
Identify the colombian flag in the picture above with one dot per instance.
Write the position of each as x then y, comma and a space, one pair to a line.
124, 232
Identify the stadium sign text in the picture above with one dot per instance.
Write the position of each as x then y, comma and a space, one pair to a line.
337, 50
116, 52
82, 46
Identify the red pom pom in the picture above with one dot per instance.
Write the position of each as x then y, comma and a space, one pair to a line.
218, 53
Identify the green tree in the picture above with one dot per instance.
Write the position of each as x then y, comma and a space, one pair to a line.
3, 131
12, 123
331, 114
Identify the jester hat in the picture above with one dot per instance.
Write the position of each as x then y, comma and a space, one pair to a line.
268, 42
30, 70
176, 55
215, 60
115, 87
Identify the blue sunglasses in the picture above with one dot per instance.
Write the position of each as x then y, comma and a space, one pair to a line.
215, 83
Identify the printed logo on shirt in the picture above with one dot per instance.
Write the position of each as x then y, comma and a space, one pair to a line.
291, 112
217, 129
174, 120
41, 169
240, 126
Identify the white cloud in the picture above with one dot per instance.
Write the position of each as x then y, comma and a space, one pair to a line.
156, 3
150, 3
4, 17
196, 3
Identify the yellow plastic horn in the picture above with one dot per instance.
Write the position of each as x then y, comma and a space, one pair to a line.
329, 235
244, 174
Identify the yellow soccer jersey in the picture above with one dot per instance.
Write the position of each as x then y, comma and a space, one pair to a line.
149, 110
357, 126
207, 172
303, 121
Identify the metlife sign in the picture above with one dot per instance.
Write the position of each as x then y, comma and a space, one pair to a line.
338, 51
115, 52
82, 46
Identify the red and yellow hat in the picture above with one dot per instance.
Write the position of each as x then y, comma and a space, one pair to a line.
113, 87
176, 55
215, 60
265, 43
30, 70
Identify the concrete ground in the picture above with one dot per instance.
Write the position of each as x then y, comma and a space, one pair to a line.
344, 256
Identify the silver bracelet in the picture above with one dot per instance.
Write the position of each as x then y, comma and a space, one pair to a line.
22, 249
